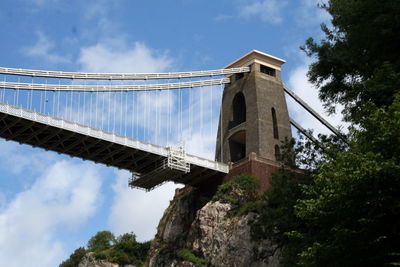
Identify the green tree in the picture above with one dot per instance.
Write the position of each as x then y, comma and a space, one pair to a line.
353, 204
348, 213
358, 60
351, 209
101, 241
122, 250
277, 217
74, 259
135, 251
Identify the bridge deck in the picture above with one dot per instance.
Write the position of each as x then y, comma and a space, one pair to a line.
39, 130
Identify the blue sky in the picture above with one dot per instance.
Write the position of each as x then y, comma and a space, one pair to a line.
51, 204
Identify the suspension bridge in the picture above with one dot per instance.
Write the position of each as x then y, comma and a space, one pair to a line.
133, 121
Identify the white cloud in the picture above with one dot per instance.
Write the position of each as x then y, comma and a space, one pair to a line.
98, 11
14, 158
201, 133
270, 11
118, 56
66, 195
3, 200
201, 145
299, 83
308, 13
123, 113
43, 49
138, 211
305, 13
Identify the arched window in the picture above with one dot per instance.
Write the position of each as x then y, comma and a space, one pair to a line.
277, 153
274, 124
239, 109
237, 146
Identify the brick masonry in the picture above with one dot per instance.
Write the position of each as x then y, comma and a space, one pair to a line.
262, 171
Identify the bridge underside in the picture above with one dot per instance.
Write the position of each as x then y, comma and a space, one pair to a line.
142, 159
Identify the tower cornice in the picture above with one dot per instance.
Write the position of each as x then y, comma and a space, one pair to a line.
256, 56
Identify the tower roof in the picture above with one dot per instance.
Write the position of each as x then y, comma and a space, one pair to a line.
256, 56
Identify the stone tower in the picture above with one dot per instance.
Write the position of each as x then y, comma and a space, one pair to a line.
254, 117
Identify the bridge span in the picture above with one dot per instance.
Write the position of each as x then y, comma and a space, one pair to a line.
150, 165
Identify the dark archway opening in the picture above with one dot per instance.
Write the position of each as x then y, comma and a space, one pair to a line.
238, 110
237, 146
274, 124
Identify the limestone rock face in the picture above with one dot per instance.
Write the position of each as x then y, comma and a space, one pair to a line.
176, 263
90, 261
210, 232
223, 241
173, 228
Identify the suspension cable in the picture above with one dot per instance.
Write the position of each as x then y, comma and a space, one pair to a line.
115, 88
121, 76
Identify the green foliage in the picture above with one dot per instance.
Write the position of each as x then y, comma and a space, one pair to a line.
381, 130
128, 245
353, 205
277, 216
347, 211
348, 214
74, 259
188, 255
252, 206
101, 241
358, 60
238, 190
344, 212
122, 250
126, 250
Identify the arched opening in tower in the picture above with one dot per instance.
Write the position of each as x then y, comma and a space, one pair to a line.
239, 110
274, 124
237, 146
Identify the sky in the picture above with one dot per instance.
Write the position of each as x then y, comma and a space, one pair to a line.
51, 204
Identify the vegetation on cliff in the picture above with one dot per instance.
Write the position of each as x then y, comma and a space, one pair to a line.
187, 255
105, 246
75, 258
240, 189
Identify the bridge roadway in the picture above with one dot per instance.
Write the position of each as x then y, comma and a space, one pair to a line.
143, 160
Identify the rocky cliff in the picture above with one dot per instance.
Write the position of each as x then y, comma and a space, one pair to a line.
90, 261
196, 231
